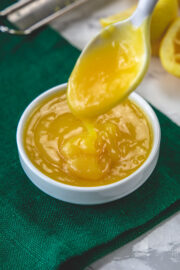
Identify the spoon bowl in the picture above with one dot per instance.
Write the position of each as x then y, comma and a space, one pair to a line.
112, 65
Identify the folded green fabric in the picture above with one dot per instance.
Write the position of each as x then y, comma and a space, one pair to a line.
6, 3
37, 231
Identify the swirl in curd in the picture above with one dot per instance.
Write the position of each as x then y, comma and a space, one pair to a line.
97, 152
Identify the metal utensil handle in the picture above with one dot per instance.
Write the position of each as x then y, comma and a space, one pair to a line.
39, 24
144, 9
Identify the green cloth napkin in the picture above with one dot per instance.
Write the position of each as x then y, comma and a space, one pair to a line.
6, 3
37, 231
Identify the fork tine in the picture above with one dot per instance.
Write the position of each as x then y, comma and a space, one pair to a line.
7, 11
40, 23
53, 16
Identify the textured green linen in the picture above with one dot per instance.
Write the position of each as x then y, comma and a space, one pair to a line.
37, 231
6, 3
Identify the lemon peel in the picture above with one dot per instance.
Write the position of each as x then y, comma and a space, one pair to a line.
170, 49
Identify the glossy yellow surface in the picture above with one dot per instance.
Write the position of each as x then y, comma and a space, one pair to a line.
170, 49
102, 151
108, 72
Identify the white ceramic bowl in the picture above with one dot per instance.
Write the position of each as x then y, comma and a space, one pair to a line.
89, 195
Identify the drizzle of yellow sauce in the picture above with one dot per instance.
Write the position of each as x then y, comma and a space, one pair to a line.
108, 72
97, 152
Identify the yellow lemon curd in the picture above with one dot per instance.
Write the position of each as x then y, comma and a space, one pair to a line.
89, 136
107, 149
106, 73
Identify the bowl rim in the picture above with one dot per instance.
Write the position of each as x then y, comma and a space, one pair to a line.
150, 114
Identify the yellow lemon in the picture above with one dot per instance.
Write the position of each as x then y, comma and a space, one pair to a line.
164, 13
170, 49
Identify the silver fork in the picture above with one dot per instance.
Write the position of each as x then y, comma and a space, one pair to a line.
15, 7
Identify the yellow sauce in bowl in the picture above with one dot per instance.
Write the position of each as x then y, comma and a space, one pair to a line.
97, 152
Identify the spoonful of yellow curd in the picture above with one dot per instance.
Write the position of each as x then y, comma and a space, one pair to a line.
112, 65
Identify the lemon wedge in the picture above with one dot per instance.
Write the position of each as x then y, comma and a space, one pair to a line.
170, 49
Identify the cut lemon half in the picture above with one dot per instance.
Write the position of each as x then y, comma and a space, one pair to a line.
170, 49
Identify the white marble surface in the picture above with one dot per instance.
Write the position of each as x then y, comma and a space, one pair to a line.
159, 249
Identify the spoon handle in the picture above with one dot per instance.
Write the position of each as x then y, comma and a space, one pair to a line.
144, 9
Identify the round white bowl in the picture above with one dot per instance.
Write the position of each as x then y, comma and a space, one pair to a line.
89, 195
